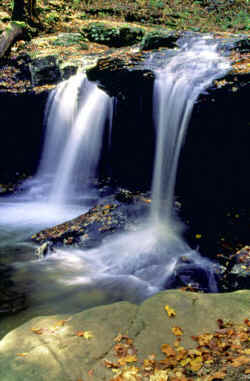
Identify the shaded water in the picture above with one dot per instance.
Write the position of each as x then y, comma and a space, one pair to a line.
132, 265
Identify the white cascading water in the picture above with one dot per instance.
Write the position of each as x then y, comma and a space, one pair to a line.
135, 264
177, 87
75, 126
75, 116
154, 255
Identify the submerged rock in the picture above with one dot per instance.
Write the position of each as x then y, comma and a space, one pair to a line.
11, 300
119, 212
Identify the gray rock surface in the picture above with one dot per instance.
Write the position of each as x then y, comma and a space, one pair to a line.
58, 353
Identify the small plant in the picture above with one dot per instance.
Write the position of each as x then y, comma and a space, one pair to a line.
52, 17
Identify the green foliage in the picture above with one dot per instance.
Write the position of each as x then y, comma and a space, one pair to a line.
111, 36
52, 17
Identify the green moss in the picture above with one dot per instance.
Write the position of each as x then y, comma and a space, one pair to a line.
112, 36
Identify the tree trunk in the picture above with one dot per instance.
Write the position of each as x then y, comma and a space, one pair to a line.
11, 34
24, 11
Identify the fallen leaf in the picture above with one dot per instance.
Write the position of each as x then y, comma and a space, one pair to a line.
88, 335
80, 333
170, 311
128, 359
37, 331
22, 354
241, 360
159, 375
168, 350
247, 322
218, 375
85, 334
177, 331
196, 364
91, 372
110, 364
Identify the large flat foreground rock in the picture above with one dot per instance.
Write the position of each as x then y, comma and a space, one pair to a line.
73, 347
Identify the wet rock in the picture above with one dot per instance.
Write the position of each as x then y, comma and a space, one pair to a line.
68, 69
161, 38
45, 71
124, 195
43, 250
89, 229
237, 273
117, 74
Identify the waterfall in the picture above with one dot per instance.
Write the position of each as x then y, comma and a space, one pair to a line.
177, 86
75, 116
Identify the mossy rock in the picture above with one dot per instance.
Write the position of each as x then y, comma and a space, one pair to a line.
156, 39
45, 70
116, 37
68, 39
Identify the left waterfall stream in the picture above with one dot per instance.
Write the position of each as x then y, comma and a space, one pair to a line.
75, 117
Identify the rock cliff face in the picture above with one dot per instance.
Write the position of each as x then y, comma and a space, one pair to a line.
214, 160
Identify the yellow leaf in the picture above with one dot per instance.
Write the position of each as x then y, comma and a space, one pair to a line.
185, 361
85, 334
128, 359
159, 375
22, 354
198, 236
88, 335
170, 311
37, 331
177, 331
196, 364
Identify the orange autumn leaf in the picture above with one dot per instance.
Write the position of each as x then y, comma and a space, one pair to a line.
110, 364
170, 311
168, 350
247, 322
177, 331
241, 360
85, 334
121, 349
80, 333
91, 372
22, 354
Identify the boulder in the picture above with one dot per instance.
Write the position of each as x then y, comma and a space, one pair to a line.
112, 36
77, 347
160, 38
45, 70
